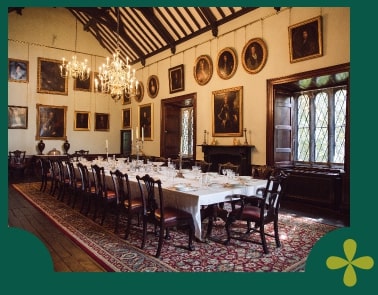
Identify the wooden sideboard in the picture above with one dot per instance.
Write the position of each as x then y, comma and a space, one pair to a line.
236, 154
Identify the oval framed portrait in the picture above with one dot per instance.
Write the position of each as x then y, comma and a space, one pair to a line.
152, 86
226, 63
140, 92
203, 69
254, 55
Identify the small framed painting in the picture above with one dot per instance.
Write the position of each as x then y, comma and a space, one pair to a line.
305, 40
17, 117
126, 118
101, 122
176, 79
254, 55
83, 85
203, 69
139, 92
153, 86
18, 70
82, 121
226, 63
145, 119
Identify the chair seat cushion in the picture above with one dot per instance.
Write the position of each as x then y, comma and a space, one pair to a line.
249, 213
135, 203
173, 214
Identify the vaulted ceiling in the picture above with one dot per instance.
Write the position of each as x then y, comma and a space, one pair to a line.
142, 32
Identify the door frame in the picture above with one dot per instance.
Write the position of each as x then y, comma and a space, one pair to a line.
182, 101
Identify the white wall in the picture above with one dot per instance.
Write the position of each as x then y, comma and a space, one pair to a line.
36, 26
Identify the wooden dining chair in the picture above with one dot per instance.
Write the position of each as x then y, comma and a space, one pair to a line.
74, 184
258, 210
45, 173
205, 166
162, 216
88, 190
16, 163
228, 165
105, 197
125, 201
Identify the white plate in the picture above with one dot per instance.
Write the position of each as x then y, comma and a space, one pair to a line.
186, 189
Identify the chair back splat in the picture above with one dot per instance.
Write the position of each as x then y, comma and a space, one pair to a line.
162, 216
125, 201
260, 211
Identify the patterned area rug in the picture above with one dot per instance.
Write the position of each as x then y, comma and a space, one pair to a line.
297, 234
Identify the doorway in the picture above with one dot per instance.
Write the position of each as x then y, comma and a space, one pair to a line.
171, 136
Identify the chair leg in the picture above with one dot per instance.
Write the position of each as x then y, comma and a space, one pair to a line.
228, 231
160, 244
191, 237
144, 232
128, 226
276, 235
263, 239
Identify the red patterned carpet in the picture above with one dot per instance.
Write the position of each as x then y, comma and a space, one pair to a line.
298, 235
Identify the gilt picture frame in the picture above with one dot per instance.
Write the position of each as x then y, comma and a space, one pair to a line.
305, 40
17, 117
139, 92
227, 63
126, 118
227, 106
203, 69
82, 121
176, 79
51, 122
83, 85
153, 86
18, 70
254, 55
101, 121
145, 121
48, 77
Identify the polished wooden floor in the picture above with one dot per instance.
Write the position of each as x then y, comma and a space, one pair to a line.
68, 257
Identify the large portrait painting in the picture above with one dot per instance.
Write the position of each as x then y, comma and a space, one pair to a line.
228, 112
49, 79
101, 122
82, 121
254, 55
305, 40
51, 122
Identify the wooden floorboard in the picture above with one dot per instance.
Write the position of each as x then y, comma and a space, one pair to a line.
65, 254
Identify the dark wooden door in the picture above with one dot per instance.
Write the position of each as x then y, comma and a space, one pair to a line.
170, 135
171, 127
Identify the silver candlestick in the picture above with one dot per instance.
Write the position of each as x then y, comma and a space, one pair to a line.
179, 174
204, 137
245, 136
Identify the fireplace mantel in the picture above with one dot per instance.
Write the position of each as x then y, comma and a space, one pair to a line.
236, 154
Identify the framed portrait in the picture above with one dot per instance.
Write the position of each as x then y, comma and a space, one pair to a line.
176, 79
226, 63
101, 122
305, 40
83, 85
126, 118
97, 86
49, 79
254, 55
51, 122
139, 92
18, 70
227, 105
17, 117
145, 121
152, 86
82, 121
203, 69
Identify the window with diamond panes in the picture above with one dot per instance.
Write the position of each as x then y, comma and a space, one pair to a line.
320, 128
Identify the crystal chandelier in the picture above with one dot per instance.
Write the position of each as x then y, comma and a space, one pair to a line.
117, 77
74, 68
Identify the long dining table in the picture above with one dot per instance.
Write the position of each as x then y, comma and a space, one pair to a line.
187, 190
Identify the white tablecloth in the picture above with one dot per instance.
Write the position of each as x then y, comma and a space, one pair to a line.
217, 189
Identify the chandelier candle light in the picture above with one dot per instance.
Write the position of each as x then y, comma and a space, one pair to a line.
74, 68
116, 76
